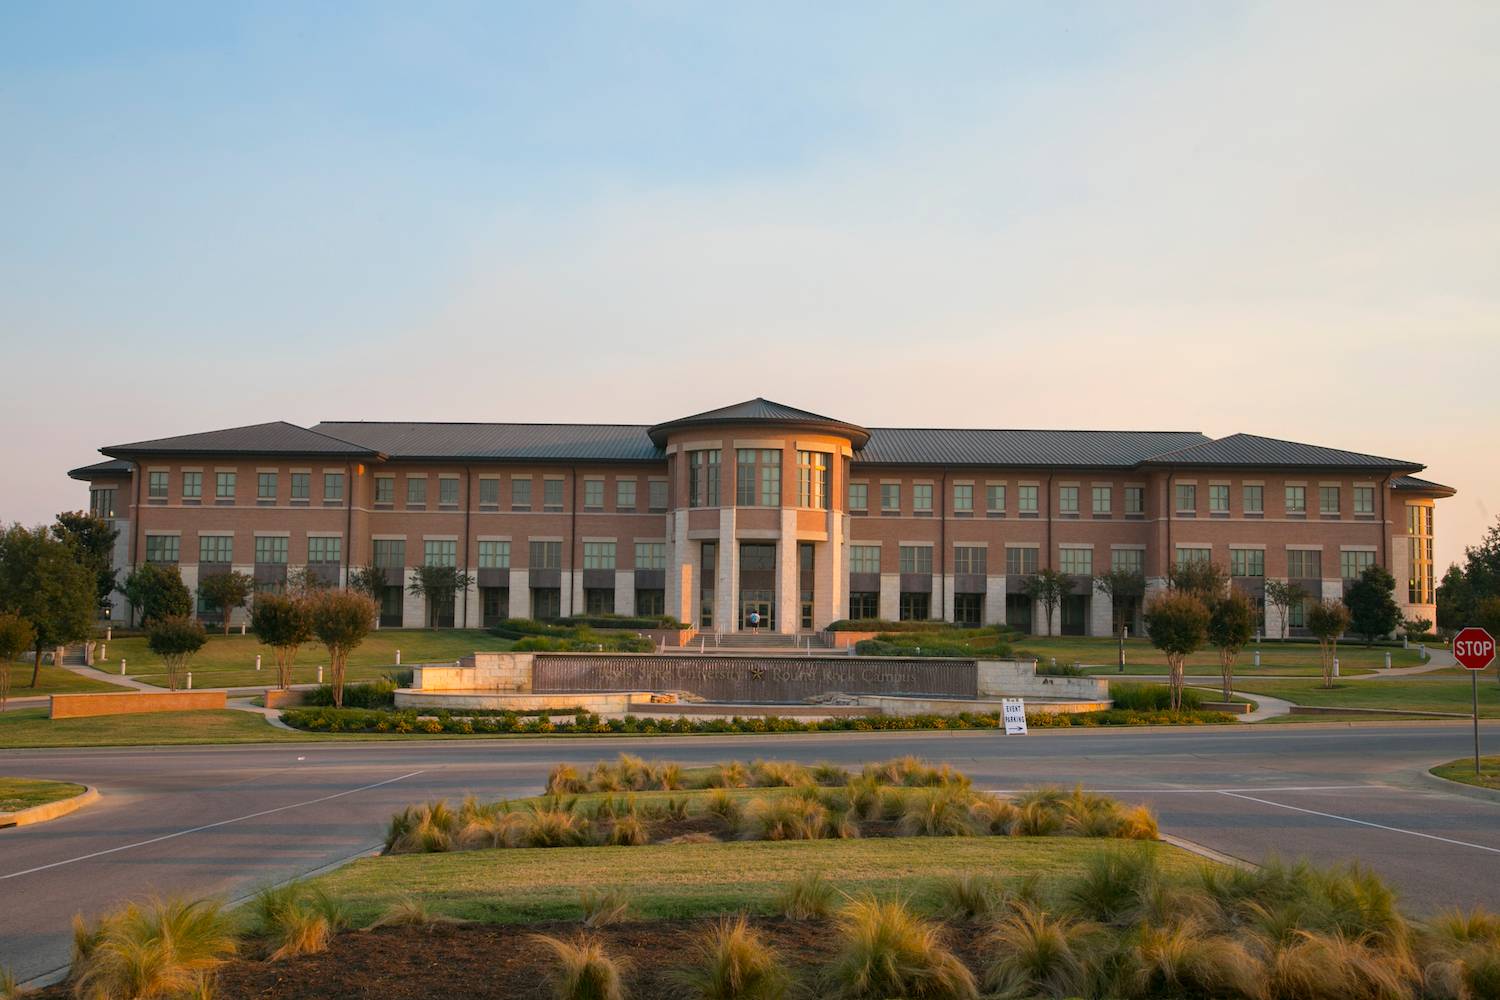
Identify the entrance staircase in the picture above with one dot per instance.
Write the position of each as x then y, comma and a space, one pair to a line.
757, 642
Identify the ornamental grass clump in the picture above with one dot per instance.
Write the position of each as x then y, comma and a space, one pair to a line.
158, 948
565, 780
297, 919
627, 831
409, 911
887, 951
583, 970
939, 811
730, 775
1112, 884
9, 988
424, 829
726, 807
1037, 954
544, 826
809, 897
1182, 959
734, 962
970, 897
778, 774
1331, 966
602, 907
992, 815
786, 817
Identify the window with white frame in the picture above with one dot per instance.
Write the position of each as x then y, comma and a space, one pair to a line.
703, 477
598, 555
1026, 500
265, 486
890, 497
916, 558
1076, 562
921, 498
1304, 564
448, 491
156, 485
439, 552
969, 559
546, 555
1103, 499
494, 554
520, 493
1187, 498
1021, 561
323, 549
1364, 499
859, 496
1218, 498
1354, 562
1247, 562
658, 494
333, 486
215, 548
864, 559
416, 491
812, 479
650, 555
593, 494
271, 549
624, 494
224, 485
552, 494
301, 485
163, 548
1254, 499
385, 489
1296, 499
1067, 500
1127, 560
489, 493
192, 485
1328, 500
994, 498
963, 498
389, 553
1190, 556
1135, 500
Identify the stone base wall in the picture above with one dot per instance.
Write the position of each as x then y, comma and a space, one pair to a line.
1019, 679
77, 706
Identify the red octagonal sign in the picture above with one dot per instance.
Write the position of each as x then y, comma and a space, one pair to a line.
1474, 648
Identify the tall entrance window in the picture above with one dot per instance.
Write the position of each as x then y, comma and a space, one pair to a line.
805, 582
757, 584
703, 478
708, 571
757, 478
968, 609
812, 479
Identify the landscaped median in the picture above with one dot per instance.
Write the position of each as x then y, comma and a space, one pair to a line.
1462, 771
24, 801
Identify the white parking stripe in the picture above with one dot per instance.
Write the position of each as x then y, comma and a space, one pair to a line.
1362, 822
209, 826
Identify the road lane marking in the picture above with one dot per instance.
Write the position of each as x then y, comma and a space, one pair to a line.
1363, 822
209, 826
1179, 790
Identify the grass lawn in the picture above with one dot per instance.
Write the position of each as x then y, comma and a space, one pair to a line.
683, 880
1276, 658
1408, 695
23, 793
31, 728
53, 680
229, 661
1459, 770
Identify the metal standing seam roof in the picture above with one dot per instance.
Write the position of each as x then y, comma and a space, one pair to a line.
952, 446
1424, 485
1254, 450
275, 438
500, 442
760, 411
109, 467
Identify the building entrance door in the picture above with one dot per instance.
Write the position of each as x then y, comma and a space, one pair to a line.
758, 602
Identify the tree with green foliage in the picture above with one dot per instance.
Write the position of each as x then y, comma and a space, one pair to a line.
283, 622
16, 637
175, 639
1371, 600
1327, 620
1047, 588
1177, 623
440, 585
368, 580
43, 581
1455, 599
156, 591
93, 538
340, 619
1464, 586
1415, 628
226, 591
1284, 595
1125, 589
1231, 626
304, 582
1206, 581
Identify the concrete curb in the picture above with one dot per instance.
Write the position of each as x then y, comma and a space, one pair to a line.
1459, 788
1193, 847
50, 810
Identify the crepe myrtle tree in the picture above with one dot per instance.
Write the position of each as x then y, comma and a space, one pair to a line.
1231, 625
368, 580
1123, 587
226, 591
16, 636
1047, 588
440, 585
175, 639
1327, 620
1206, 581
1284, 595
340, 620
283, 622
1177, 623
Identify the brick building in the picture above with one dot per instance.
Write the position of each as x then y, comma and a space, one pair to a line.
760, 507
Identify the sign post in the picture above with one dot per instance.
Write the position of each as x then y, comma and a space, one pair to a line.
1013, 710
1474, 649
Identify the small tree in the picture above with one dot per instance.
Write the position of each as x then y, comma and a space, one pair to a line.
440, 585
93, 539
44, 581
1416, 627
1047, 588
304, 582
16, 636
1125, 588
226, 591
1373, 612
175, 639
156, 591
1285, 595
368, 580
1328, 620
1231, 624
1206, 581
1177, 623
340, 619
282, 622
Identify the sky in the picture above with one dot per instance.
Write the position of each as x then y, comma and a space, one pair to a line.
1277, 218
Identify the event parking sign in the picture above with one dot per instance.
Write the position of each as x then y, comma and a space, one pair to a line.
1013, 710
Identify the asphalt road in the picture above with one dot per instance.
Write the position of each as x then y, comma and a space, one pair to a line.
227, 820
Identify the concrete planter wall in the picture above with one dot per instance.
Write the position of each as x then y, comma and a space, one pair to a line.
77, 706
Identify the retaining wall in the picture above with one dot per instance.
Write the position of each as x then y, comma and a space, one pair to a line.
77, 706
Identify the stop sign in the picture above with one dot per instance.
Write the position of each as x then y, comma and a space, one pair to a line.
1474, 648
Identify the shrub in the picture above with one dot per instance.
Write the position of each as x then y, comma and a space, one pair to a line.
156, 948
1136, 697
627, 831
1038, 954
937, 812
1111, 883
971, 897
809, 897
778, 774
735, 963
380, 693
583, 970
297, 919
424, 829
564, 780
1319, 966
886, 951
786, 817
547, 827
1179, 959
726, 807
602, 907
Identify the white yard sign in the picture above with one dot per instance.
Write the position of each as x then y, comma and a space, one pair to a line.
1014, 712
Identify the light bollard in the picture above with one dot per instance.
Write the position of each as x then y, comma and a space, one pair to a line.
108, 629
1388, 660
320, 673
1335, 666
398, 657
103, 651
1257, 657
122, 666
190, 680
242, 628
257, 661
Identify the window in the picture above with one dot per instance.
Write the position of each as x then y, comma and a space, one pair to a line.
301, 485
770, 478
650, 555
864, 604
1194, 556
1103, 499
1254, 499
1296, 499
994, 498
192, 486
649, 602
494, 555
708, 559
598, 555
1328, 500
1067, 500
322, 549
1218, 498
859, 496
703, 478
448, 492
552, 494
921, 498
658, 497
1021, 561
546, 555
963, 498
916, 607
416, 492
624, 494
102, 503
1353, 563
599, 601
156, 485
224, 485
489, 493
162, 548
812, 479
969, 559
864, 559
1127, 560
1304, 564
1135, 500
271, 549
1026, 500
1247, 562
215, 548
1077, 562
390, 553
744, 477
916, 558
1296, 615
520, 494
546, 602
1364, 500
333, 486
890, 498
439, 552
385, 489
1187, 498
1419, 553
593, 494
